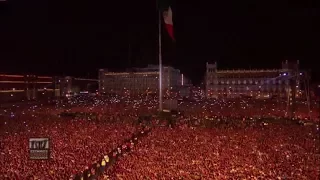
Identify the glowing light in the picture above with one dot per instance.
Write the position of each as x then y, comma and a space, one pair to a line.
43, 82
44, 77
182, 79
12, 82
10, 91
5, 75
134, 73
45, 89
82, 79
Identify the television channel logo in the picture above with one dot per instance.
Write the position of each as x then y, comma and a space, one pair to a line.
39, 148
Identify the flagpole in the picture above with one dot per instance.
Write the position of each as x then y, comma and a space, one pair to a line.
160, 63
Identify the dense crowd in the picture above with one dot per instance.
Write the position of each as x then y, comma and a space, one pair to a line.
75, 143
270, 151
210, 139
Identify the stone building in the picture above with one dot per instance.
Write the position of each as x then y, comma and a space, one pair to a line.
70, 86
26, 87
263, 83
138, 80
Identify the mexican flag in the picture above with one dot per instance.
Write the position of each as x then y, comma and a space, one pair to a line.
165, 8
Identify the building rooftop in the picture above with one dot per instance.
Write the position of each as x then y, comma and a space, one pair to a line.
250, 71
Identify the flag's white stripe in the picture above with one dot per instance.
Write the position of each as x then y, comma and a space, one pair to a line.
168, 16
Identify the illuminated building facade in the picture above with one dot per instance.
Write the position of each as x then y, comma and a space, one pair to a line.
26, 87
138, 80
73, 86
262, 83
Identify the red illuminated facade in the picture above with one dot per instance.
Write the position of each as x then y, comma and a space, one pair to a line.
26, 87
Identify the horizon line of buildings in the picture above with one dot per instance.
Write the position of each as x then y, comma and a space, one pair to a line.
32, 87
263, 83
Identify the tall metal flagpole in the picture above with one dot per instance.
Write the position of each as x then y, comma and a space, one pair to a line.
160, 62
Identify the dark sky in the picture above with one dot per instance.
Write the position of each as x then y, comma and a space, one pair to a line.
79, 37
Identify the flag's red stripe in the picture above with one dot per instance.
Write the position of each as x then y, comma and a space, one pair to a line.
170, 30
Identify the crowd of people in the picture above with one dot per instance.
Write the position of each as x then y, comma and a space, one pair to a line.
75, 143
270, 151
209, 139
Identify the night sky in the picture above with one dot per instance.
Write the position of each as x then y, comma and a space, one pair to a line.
78, 37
